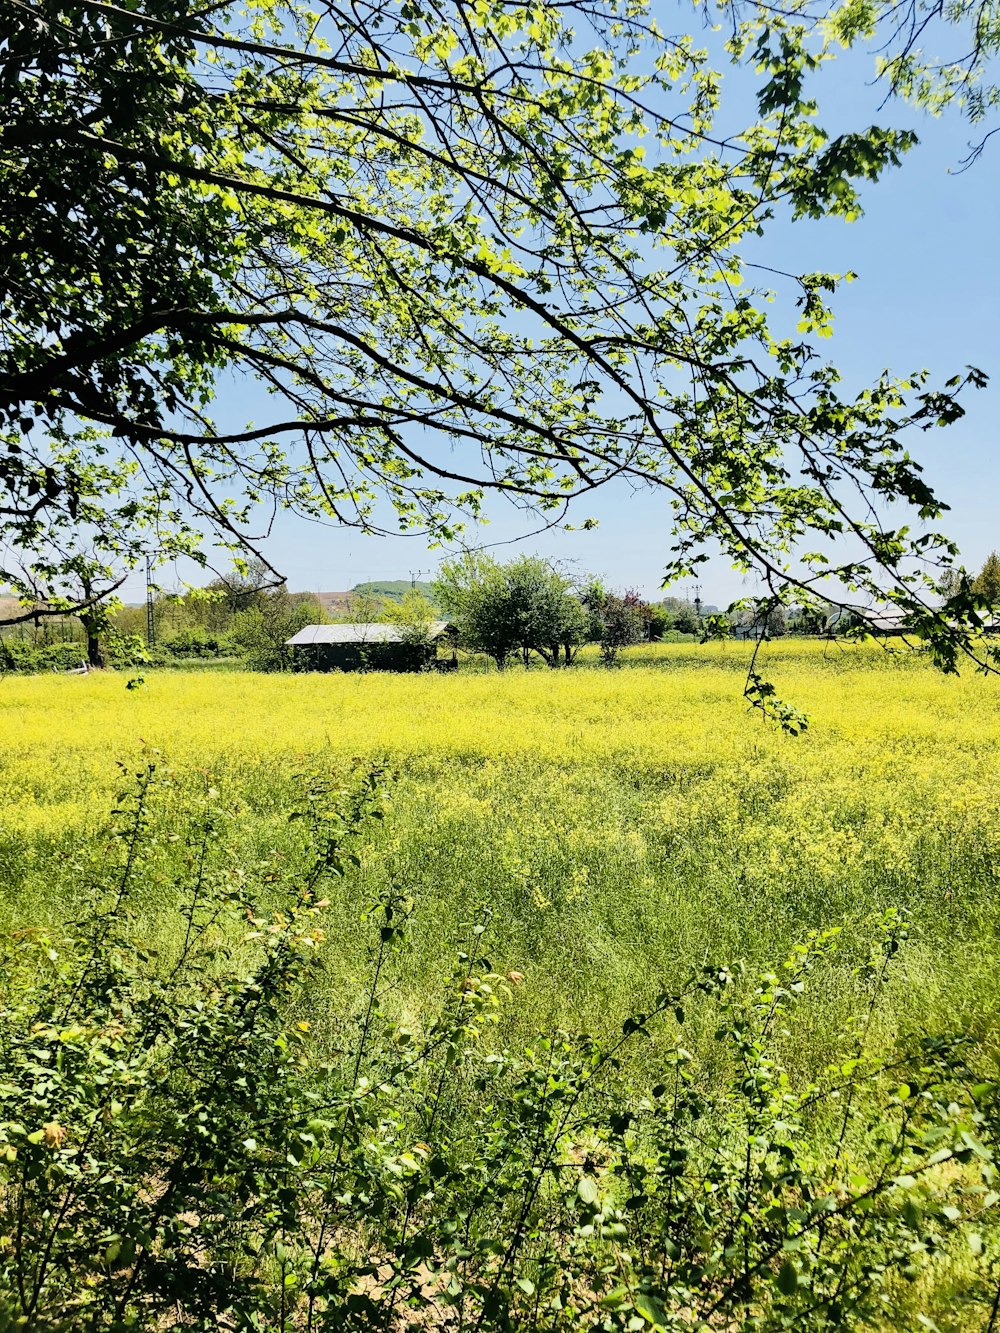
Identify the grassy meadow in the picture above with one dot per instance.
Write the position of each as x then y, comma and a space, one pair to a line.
615, 828
616, 836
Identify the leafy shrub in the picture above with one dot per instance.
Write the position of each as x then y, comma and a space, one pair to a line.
126, 650
179, 1147
18, 655
192, 642
260, 632
122, 651
623, 624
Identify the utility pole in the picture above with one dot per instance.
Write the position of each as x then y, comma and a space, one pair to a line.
150, 618
414, 575
697, 600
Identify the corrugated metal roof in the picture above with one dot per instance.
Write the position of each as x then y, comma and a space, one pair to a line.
878, 618
363, 633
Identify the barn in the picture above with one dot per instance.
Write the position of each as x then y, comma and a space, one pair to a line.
883, 622
364, 647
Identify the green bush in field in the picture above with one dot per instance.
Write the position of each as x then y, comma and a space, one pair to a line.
192, 641
180, 1146
16, 655
123, 651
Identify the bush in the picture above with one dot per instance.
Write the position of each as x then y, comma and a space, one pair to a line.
180, 1148
260, 632
124, 651
191, 642
17, 655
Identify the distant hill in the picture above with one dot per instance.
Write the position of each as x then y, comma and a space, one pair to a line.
394, 589
334, 603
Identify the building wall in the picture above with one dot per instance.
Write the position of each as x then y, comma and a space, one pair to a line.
363, 657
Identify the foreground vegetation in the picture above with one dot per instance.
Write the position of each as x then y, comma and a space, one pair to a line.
563, 860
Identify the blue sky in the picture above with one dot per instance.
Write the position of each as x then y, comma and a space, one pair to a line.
927, 295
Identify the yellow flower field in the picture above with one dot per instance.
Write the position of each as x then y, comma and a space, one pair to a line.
616, 833
616, 825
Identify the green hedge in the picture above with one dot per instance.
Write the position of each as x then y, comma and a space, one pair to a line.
19, 655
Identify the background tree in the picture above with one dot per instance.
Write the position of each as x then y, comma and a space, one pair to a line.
466, 247
88, 589
950, 582
365, 607
525, 606
414, 616
94, 618
987, 581
246, 586
686, 620
262, 628
808, 620
619, 620
473, 595
211, 611
658, 620
553, 623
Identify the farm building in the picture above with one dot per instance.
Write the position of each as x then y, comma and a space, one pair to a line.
365, 647
886, 622
879, 621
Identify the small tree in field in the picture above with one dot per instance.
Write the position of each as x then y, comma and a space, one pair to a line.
525, 606
413, 616
987, 582
553, 623
686, 620
470, 591
619, 620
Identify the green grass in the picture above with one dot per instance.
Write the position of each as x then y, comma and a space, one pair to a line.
615, 829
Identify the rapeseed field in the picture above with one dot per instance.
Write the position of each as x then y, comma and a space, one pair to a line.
615, 828
613, 912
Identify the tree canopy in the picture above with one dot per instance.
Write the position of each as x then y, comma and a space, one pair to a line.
618, 620
464, 246
987, 581
526, 606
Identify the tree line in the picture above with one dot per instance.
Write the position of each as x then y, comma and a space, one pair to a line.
529, 608
522, 610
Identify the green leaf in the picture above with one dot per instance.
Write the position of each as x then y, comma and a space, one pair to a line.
587, 1189
788, 1279
651, 1310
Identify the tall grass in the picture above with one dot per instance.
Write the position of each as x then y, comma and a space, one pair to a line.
614, 832
613, 826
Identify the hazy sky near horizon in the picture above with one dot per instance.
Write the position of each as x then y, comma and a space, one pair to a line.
927, 295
